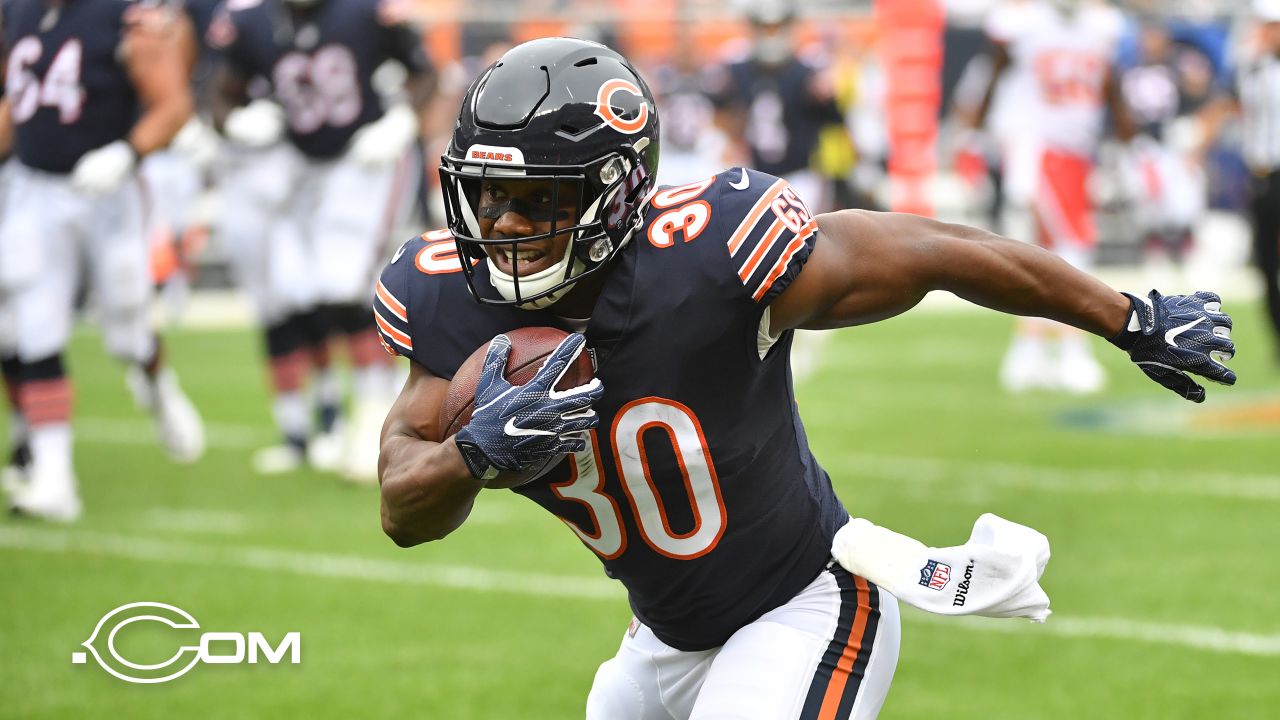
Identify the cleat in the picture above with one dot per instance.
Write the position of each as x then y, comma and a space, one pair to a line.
178, 423
47, 497
1026, 367
1080, 374
278, 459
325, 451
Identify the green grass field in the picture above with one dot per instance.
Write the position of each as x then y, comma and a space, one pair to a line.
1162, 516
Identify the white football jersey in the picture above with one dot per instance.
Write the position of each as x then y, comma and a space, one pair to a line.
1059, 67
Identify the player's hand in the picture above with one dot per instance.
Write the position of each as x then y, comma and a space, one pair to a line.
255, 125
1170, 336
104, 170
384, 140
515, 426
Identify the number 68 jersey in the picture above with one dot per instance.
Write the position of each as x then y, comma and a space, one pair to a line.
320, 61
698, 490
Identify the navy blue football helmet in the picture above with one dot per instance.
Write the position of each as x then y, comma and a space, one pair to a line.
568, 111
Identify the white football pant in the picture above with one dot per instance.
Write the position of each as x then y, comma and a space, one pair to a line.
828, 653
48, 232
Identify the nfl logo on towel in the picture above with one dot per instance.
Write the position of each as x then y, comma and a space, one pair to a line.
934, 575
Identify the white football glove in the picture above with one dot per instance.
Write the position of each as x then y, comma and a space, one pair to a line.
996, 574
197, 142
385, 140
104, 170
255, 125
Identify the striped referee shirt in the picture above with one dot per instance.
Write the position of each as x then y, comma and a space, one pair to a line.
1259, 94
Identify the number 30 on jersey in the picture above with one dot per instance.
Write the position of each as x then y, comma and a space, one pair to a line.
702, 488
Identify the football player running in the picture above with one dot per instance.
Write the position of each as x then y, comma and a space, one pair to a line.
92, 87
339, 186
1056, 56
690, 475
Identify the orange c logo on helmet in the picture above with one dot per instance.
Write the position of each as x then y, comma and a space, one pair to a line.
604, 108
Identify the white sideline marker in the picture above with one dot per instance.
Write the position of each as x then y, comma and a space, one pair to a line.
354, 567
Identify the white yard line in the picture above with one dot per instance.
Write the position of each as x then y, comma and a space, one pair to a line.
196, 521
1095, 481
1199, 637
353, 567
916, 472
349, 567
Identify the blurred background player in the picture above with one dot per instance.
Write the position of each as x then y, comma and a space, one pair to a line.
92, 86
1255, 97
774, 103
1164, 90
177, 178
693, 146
336, 190
1059, 54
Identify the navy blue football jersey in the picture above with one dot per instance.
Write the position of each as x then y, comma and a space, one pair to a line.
320, 61
783, 117
698, 490
68, 90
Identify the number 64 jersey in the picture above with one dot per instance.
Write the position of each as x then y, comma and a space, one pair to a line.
698, 491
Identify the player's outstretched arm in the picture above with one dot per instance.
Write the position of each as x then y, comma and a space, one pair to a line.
867, 266
427, 490
159, 48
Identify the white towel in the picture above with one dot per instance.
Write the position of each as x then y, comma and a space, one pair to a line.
995, 574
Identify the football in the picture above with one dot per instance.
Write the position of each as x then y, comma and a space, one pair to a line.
530, 348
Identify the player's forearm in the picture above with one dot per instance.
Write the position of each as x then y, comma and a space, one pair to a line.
6, 127
161, 122
1020, 279
427, 491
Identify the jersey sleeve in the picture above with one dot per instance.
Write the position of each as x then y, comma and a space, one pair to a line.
391, 302
769, 231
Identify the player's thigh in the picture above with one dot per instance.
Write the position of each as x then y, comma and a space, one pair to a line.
1063, 207
34, 217
829, 653
293, 259
116, 251
172, 183
647, 680
1020, 157
252, 206
38, 237
112, 231
358, 209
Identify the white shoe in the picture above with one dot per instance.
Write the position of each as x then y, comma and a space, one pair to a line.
47, 498
1026, 367
324, 451
278, 459
177, 421
1080, 374
364, 442
13, 479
